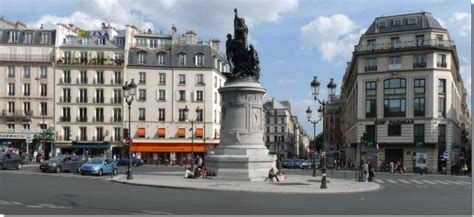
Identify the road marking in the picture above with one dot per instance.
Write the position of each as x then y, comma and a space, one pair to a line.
392, 181
465, 182
404, 181
48, 205
429, 182
379, 181
157, 212
9, 203
417, 182
444, 183
455, 182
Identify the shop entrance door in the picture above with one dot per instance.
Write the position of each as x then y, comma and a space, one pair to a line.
393, 155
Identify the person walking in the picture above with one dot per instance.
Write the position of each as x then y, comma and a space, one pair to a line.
35, 155
366, 171
371, 172
391, 167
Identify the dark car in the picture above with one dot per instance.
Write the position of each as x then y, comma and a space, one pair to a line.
135, 162
64, 163
10, 160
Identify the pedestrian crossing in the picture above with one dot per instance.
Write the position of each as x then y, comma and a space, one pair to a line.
421, 182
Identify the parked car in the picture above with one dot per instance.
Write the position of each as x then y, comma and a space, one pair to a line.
306, 164
288, 164
63, 163
135, 162
10, 160
99, 166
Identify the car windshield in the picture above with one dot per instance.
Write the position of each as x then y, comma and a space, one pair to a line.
96, 160
57, 159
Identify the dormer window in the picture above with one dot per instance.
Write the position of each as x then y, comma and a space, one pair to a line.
119, 41
101, 41
67, 40
28, 38
45, 38
382, 24
14, 36
141, 57
84, 41
199, 59
411, 21
161, 58
182, 59
397, 22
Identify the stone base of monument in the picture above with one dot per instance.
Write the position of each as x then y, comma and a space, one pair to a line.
241, 154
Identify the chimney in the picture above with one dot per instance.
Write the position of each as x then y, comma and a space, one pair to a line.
191, 37
149, 31
174, 37
215, 44
41, 27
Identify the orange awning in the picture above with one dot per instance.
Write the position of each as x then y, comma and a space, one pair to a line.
141, 132
199, 132
169, 147
161, 132
182, 132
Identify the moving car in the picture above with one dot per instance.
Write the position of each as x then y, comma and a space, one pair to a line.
135, 162
63, 163
99, 166
10, 160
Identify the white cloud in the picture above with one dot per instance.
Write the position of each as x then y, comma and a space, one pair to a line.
459, 24
333, 36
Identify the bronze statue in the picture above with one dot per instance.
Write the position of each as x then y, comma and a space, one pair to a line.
243, 59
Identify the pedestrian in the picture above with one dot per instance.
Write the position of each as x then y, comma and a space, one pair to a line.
272, 174
200, 162
366, 171
35, 155
371, 172
188, 174
391, 165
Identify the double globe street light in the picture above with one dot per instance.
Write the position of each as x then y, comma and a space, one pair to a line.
314, 122
129, 91
186, 112
315, 84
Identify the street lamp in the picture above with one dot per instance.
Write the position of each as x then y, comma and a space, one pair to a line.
129, 91
308, 116
42, 126
331, 93
186, 112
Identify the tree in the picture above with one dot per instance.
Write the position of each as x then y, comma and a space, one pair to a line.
319, 142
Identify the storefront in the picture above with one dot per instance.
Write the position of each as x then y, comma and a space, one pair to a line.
407, 153
90, 148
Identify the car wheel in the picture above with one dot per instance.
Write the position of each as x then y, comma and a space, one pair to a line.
19, 166
82, 174
115, 171
58, 169
100, 172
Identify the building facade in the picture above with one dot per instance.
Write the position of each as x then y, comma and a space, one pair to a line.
403, 88
27, 97
332, 130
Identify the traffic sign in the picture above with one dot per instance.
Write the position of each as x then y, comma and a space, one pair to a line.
446, 154
128, 141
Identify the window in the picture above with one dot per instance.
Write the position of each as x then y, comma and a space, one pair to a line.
161, 114
215, 98
161, 58
44, 108
370, 108
162, 94
382, 24
441, 61
28, 38
14, 36
117, 96
439, 37
420, 40
67, 77
394, 86
11, 107
27, 107
181, 115
83, 77
441, 106
153, 43
441, 133
215, 81
441, 86
371, 43
43, 72
141, 114
275, 129
117, 77
67, 57
99, 134
199, 60
394, 130
182, 59
182, 95
44, 90
11, 71
26, 72
419, 106
11, 127
83, 131
45, 38
26, 126
420, 61
419, 133
67, 40
141, 58
26, 89
100, 77
117, 134
99, 114
419, 86
200, 79
66, 97
371, 88
397, 22
66, 133
66, 114
394, 63
371, 65
11, 89
83, 114
142, 78
199, 96
142, 94
394, 108
182, 79
84, 41
199, 115
141, 41
411, 21
101, 41
117, 115
162, 78
83, 95
99, 96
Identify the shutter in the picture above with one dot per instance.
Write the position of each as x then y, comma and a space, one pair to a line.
193, 95
157, 94
166, 95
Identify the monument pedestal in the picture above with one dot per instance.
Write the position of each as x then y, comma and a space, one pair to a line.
241, 154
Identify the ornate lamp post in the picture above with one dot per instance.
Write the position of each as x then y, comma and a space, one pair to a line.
186, 112
331, 93
129, 91
314, 122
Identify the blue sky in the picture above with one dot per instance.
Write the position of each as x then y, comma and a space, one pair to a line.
296, 39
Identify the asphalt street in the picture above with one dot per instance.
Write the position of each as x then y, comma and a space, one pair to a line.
31, 192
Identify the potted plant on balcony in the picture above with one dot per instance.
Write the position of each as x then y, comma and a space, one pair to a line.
60, 60
93, 60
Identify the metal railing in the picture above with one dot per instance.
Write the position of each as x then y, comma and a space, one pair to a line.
150, 46
92, 61
26, 57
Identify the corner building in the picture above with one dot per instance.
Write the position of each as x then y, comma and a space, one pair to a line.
403, 88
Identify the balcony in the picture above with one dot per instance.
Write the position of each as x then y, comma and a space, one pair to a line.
82, 138
87, 62
98, 119
419, 113
81, 119
64, 80
116, 81
26, 58
388, 114
419, 138
442, 65
115, 119
81, 80
116, 100
81, 99
394, 66
98, 81
98, 100
63, 99
405, 45
17, 115
65, 119
370, 68
370, 115
150, 46
419, 65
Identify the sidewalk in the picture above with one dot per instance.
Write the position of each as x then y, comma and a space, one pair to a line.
294, 184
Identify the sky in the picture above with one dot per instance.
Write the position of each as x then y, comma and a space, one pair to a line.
295, 39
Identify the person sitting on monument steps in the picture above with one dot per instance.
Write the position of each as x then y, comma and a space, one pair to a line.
188, 174
272, 174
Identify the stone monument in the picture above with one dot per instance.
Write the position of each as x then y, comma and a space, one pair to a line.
241, 154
